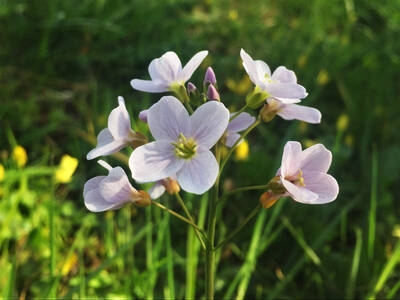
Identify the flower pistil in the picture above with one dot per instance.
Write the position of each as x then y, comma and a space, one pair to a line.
184, 147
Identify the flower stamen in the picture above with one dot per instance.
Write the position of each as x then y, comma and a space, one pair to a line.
185, 148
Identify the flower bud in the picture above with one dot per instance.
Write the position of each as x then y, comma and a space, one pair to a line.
210, 77
171, 186
212, 93
268, 199
268, 112
143, 115
191, 88
141, 199
256, 98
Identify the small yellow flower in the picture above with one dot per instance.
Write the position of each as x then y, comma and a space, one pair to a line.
323, 77
242, 151
20, 156
233, 14
342, 122
66, 168
1, 172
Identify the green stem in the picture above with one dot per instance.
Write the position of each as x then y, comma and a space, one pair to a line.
239, 112
210, 254
233, 234
178, 216
245, 188
196, 231
244, 134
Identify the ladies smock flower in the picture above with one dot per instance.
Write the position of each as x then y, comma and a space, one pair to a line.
112, 191
181, 145
118, 134
168, 184
304, 176
239, 123
167, 71
281, 84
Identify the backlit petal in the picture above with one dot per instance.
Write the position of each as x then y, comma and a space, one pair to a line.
291, 159
300, 112
324, 185
169, 66
300, 194
285, 90
168, 118
116, 188
241, 122
209, 122
154, 161
106, 145
199, 173
316, 159
156, 190
192, 65
149, 86
284, 75
231, 139
119, 122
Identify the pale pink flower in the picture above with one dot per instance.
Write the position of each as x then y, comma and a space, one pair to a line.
117, 135
238, 124
181, 145
166, 71
304, 174
112, 191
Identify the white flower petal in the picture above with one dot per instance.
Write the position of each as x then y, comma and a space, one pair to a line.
199, 173
143, 115
284, 75
168, 118
116, 188
92, 184
209, 122
231, 139
316, 158
255, 69
300, 112
300, 194
192, 65
154, 161
169, 66
262, 70
285, 100
322, 184
148, 86
106, 145
241, 122
291, 159
285, 90
92, 197
156, 190
119, 122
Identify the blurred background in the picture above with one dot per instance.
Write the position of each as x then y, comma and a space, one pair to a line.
62, 66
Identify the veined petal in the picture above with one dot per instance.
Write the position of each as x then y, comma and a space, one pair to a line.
285, 90
316, 159
209, 122
300, 112
254, 68
241, 122
291, 159
168, 118
119, 122
192, 65
154, 161
231, 139
285, 100
284, 75
106, 145
156, 190
148, 86
322, 184
169, 66
116, 188
300, 194
92, 197
92, 184
199, 173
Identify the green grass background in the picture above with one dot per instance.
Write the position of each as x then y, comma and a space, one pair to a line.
62, 66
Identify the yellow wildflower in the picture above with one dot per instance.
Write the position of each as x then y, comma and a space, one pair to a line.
233, 14
66, 168
342, 122
20, 156
323, 77
242, 151
1, 172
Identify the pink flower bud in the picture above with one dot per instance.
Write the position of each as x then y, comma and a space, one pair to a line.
191, 88
212, 93
143, 115
210, 77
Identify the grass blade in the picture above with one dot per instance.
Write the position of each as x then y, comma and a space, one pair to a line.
355, 265
372, 211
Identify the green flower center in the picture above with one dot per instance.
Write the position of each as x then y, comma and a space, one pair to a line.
185, 148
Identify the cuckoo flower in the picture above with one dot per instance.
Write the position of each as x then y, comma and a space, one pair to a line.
112, 191
303, 174
167, 72
181, 145
239, 123
168, 184
282, 83
118, 134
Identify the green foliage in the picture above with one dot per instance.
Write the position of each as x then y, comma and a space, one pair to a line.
62, 66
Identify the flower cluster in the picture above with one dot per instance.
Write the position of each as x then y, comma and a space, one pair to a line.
180, 155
